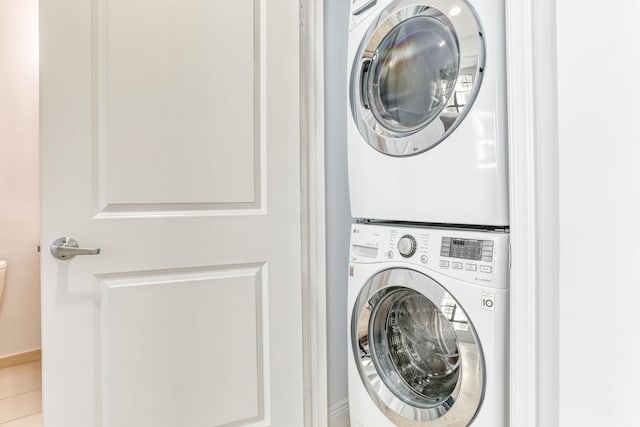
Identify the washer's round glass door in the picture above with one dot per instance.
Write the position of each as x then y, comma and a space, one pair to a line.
416, 351
415, 74
415, 348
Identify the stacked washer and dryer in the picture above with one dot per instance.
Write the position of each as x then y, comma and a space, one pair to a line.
429, 256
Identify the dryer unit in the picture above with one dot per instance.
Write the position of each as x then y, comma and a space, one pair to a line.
428, 327
427, 111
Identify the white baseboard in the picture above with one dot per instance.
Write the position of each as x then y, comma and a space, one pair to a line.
339, 414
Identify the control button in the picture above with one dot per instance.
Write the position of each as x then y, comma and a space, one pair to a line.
424, 259
457, 265
407, 246
486, 259
471, 267
444, 264
486, 269
390, 254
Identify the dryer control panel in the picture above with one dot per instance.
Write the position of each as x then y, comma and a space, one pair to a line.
475, 256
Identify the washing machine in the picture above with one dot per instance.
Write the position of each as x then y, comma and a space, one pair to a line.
428, 327
427, 111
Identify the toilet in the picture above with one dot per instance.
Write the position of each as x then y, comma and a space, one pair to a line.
3, 270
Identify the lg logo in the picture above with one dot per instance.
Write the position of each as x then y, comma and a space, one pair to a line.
488, 302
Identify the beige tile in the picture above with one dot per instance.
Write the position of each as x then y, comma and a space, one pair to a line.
20, 406
34, 420
20, 379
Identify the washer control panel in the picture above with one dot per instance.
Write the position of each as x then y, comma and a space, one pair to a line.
472, 255
471, 249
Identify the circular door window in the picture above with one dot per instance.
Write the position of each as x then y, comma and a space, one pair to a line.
417, 71
413, 74
416, 351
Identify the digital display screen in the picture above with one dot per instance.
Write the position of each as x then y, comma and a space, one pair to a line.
475, 250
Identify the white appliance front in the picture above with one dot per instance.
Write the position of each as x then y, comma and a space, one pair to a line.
427, 111
428, 327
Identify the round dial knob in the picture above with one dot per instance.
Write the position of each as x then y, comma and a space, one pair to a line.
407, 246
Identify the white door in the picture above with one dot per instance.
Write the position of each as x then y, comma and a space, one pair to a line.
170, 140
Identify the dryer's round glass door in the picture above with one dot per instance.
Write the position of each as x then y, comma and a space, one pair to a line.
417, 71
416, 350
413, 73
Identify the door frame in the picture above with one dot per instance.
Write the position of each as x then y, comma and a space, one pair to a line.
314, 283
533, 177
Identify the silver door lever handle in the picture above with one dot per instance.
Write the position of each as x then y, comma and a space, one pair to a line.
66, 248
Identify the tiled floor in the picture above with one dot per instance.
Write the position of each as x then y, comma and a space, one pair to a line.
21, 395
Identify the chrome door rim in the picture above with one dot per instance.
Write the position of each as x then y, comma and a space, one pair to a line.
462, 19
461, 407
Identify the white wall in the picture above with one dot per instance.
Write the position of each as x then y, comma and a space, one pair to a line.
337, 205
599, 196
19, 176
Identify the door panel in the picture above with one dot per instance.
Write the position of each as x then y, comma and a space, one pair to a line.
183, 388
183, 89
170, 139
